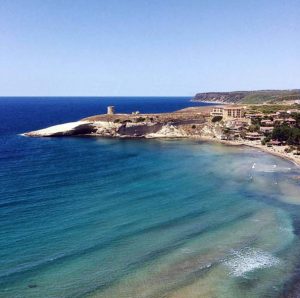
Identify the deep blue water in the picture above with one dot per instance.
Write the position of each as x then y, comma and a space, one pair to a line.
36, 112
89, 217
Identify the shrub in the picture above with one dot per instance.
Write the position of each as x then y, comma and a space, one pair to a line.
140, 119
288, 150
243, 134
126, 121
253, 128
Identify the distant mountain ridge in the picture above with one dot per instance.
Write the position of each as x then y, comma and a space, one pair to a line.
257, 96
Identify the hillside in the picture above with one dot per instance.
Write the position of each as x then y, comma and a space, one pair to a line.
260, 96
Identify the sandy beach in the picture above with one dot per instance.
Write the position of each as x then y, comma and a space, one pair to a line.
274, 150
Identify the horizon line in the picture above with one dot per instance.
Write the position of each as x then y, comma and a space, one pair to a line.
231, 91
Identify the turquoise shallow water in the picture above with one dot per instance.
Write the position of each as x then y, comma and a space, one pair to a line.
84, 217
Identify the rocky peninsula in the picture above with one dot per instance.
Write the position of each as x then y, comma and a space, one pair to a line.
273, 132
189, 122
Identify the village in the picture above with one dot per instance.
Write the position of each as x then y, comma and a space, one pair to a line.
265, 125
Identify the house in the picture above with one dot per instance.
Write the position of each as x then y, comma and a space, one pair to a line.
274, 143
254, 116
290, 121
267, 122
266, 129
293, 111
281, 113
279, 121
253, 136
272, 115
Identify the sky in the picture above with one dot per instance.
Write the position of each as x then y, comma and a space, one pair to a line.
147, 48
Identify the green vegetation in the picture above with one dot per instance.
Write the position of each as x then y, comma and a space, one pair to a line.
257, 98
269, 109
256, 121
126, 121
296, 116
140, 119
288, 150
250, 97
253, 128
267, 139
285, 133
216, 119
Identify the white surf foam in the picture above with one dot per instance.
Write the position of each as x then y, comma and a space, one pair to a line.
249, 259
186, 250
267, 168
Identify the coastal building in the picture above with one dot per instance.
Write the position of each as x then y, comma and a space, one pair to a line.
267, 123
274, 143
279, 121
230, 112
217, 111
253, 136
110, 110
272, 115
266, 129
254, 115
292, 111
282, 113
290, 121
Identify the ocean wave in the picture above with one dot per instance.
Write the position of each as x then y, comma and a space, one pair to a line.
250, 259
269, 168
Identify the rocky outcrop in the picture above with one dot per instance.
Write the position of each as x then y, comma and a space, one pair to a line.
169, 131
66, 129
110, 129
212, 131
185, 123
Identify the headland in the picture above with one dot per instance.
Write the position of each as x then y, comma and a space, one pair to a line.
272, 128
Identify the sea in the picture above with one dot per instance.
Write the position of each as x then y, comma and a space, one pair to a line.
100, 217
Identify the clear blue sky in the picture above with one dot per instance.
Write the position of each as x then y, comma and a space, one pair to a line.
154, 47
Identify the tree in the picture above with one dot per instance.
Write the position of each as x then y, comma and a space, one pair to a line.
296, 116
285, 133
253, 127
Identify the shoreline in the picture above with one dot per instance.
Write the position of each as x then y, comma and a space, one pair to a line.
279, 153
190, 123
295, 160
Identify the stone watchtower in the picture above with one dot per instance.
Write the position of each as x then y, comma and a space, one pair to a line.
110, 110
